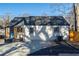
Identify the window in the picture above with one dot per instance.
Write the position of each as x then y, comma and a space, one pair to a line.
31, 30
19, 29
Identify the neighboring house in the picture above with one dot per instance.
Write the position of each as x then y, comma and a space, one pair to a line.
39, 30
2, 35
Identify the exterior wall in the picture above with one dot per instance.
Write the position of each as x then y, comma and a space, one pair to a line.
45, 32
43, 36
7, 33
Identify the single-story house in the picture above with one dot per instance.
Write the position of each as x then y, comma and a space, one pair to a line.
37, 29
49, 26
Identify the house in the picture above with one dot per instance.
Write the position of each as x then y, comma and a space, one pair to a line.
54, 23
39, 31
2, 35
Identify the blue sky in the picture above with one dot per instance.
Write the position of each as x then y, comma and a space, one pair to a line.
33, 9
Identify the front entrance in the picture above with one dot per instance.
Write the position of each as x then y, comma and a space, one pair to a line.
18, 33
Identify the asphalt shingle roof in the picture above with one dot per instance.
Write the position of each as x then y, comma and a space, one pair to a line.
40, 20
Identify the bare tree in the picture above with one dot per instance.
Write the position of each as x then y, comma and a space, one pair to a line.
61, 8
6, 19
65, 11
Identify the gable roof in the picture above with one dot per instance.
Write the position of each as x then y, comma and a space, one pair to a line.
40, 20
